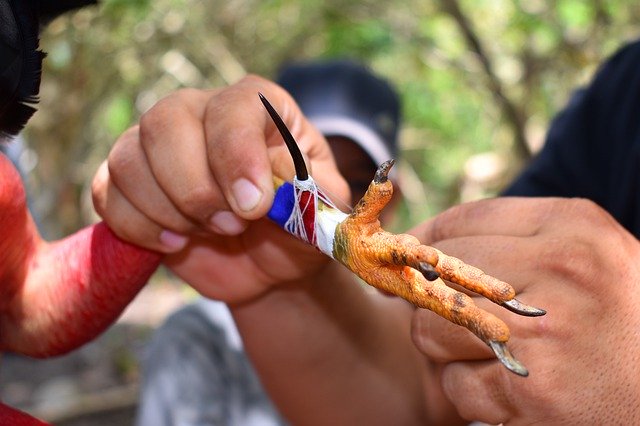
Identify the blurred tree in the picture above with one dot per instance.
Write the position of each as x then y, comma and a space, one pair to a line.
479, 79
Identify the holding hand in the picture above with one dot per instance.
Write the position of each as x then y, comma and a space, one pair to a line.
575, 260
195, 179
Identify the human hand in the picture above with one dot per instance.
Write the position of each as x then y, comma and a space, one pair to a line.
195, 179
576, 261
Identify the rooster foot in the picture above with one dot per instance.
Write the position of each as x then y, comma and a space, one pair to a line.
400, 265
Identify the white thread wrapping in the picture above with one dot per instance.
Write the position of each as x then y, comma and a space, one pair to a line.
326, 216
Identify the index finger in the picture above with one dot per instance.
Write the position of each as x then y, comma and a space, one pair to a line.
238, 145
172, 138
510, 216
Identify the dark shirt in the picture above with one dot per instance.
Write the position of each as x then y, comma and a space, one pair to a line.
593, 146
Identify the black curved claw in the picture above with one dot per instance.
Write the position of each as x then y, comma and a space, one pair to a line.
428, 271
518, 307
382, 173
505, 357
292, 145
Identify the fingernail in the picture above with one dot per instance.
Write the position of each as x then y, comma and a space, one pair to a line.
172, 241
227, 223
247, 195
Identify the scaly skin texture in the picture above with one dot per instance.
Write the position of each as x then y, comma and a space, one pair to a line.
57, 296
392, 263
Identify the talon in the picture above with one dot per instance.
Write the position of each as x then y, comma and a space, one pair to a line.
382, 173
292, 145
428, 271
502, 353
518, 307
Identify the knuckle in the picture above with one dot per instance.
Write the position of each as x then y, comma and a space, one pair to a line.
583, 231
118, 166
582, 250
165, 113
121, 151
181, 100
197, 201
116, 158
184, 94
153, 123
587, 209
574, 259
583, 211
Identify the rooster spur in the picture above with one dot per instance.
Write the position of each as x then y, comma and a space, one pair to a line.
396, 264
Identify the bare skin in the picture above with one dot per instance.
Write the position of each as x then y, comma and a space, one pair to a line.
400, 265
583, 354
138, 193
328, 351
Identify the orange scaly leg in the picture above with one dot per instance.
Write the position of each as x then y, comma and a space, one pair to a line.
400, 265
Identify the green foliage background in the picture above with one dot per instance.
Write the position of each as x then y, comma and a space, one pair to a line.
479, 79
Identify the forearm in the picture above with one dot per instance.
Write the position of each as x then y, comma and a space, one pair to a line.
73, 290
57, 296
331, 352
